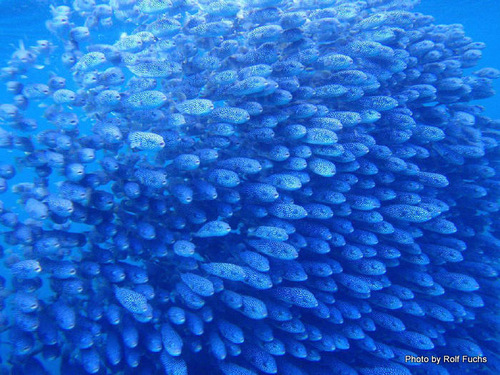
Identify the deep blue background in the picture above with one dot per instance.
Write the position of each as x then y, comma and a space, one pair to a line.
481, 19
21, 19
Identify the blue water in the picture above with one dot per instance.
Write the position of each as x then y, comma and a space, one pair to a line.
25, 21
22, 20
480, 20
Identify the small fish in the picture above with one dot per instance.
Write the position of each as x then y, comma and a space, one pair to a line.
131, 300
146, 141
89, 61
214, 229
149, 99
196, 107
154, 6
26, 269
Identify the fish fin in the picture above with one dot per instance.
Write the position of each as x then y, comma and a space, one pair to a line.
178, 97
49, 26
19, 162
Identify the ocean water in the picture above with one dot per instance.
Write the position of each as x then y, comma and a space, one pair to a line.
479, 20
293, 187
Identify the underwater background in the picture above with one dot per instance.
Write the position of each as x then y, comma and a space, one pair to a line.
249, 187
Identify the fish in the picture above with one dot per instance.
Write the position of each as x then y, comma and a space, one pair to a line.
131, 300
148, 99
146, 141
213, 229
246, 187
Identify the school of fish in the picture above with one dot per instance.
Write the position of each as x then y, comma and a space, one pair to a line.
249, 187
